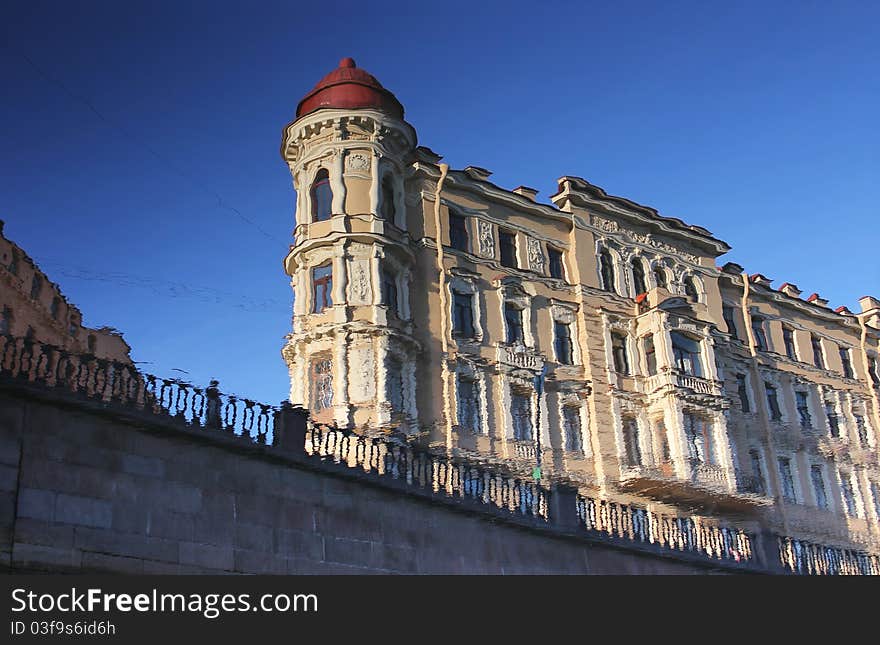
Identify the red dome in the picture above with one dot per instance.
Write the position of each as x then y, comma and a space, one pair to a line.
348, 87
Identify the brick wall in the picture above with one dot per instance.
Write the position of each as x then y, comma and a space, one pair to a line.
84, 489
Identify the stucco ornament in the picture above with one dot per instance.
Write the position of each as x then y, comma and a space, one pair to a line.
536, 256
360, 283
358, 162
487, 239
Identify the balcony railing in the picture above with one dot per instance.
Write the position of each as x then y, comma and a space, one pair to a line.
800, 556
675, 379
520, 356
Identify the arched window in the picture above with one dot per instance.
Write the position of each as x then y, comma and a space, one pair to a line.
686, 354
690, 289
322, 196
606, 270
660, 277
388, 210
638, 272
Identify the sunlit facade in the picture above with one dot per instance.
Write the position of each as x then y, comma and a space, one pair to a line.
591, 334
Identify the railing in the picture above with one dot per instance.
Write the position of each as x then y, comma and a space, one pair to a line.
426, 470
686, 534
697, 384
526, 450
112, 382
750, 484
708, 474
806, 558
116, 384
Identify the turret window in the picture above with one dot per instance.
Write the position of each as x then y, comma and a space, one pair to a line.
463, 314
606, 270
388, 208
571, 421
555, 263
458, 235
818, 357
788, 339
322, 196
322, 384
638, 274
562, 342
773, 402
686, 354
690, 289
513, 319
660, 277
846, 363
389, 289
521, 414
507, 242
618, 353
322, 288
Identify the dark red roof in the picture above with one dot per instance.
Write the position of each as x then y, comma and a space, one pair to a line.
349, 87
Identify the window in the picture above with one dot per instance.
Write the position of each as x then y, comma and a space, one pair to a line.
469, 417
389, 289
633, 452
773, 402
686, 354
92, 343
760, 337
757, 472
322, 384
833, 423
507, 242
6, 321
650, 354
786, 479
521, 413
698, 433
818, 359
322, 196
690, 289
874, 369
660, 434
846, 362
849, 495
463, 314
36, 287
727, 314
458, 235
394, 384
56, 306
618, 353
803, 409
660, 277
742, 389
818, 486
389, 210
322, 287
638, 273
571, 421
562, 344
788, 339
513, 318
13, 263
557, 269
606, 270
72, 328
875, 493
861, 429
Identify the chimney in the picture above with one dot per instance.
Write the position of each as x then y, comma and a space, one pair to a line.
760, 279
480, 174
869, 303
843, 310
790, 289
816, 300
525, 191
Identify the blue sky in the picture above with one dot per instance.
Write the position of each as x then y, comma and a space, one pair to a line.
140, 161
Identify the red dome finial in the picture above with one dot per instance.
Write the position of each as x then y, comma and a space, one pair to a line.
349, 87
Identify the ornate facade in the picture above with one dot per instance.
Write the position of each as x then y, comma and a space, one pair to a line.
591, 336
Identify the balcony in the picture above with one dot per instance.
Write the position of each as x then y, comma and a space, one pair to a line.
672, 380
520, 356
706, 486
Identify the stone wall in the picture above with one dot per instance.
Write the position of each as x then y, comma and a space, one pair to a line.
87, 488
